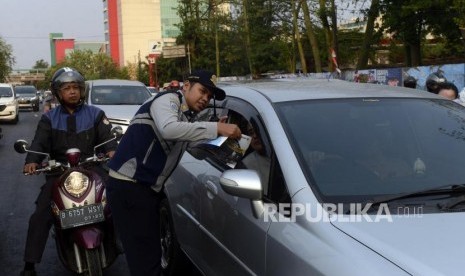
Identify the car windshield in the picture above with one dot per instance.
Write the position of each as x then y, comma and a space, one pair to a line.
119, 95
25, 91
360, 148
5, 92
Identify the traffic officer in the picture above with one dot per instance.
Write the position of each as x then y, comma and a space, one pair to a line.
147, 154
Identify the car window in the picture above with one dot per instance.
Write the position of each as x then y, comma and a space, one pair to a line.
5, 92
259, 156
26, 90
354, 149
119, 95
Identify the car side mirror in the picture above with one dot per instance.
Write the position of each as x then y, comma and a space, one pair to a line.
244, 183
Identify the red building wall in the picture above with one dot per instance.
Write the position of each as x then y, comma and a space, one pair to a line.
62, 47
113, 30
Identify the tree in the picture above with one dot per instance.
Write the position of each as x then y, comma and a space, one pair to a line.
41, 64
6, 60
311, 36
295, 11
409, 21
91, 66
459, 6
373, 13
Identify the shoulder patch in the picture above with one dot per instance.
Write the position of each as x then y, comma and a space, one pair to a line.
174, 106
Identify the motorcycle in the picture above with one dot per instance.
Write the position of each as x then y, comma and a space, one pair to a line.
83, 228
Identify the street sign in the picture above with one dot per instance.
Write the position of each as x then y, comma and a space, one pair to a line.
174, 51
155, 47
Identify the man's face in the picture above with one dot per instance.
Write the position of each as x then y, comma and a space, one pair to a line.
70, 93
393, 82
197, 96
447, 93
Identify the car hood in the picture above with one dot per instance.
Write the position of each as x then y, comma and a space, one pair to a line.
421, 244
6, 100
119, 112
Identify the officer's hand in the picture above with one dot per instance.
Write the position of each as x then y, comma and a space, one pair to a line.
229, 130
223, 119
30, 168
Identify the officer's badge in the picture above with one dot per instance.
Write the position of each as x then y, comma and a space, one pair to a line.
105, 121
184, 107
213, 79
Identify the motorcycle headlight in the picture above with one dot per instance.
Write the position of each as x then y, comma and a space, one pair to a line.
76, 184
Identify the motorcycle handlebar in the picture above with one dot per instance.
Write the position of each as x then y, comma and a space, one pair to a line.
59, 165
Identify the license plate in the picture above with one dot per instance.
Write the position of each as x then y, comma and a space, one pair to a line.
81, 215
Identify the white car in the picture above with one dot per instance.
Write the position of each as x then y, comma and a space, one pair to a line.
119, 99
340, 178
9, 107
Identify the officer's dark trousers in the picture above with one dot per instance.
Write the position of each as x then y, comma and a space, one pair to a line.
135, 210
40, 223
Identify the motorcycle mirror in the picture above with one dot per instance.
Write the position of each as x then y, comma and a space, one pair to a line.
117, 131
21, 146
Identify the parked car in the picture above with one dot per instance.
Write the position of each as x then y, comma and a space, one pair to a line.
340, 179
153, 90
27, 97
9, 107
119, 99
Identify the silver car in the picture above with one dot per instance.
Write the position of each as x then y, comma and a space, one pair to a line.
340, 179
27, 97
119, 99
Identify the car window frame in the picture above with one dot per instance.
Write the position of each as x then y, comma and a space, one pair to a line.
248, 112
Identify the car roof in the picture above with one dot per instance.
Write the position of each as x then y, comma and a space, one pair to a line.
115, 82
282, 90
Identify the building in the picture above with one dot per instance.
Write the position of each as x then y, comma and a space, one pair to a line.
136, 29
61, 47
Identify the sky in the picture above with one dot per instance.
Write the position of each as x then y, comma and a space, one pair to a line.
26, 25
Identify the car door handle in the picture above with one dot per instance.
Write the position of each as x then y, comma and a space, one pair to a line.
211, 187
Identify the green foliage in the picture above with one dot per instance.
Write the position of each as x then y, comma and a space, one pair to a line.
41, 64
6, 60
91, 66
272, 40
410, 21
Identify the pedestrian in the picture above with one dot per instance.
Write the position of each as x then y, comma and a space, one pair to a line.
393, 81
72, 124
410, 82
147, 154
448, 90
433, 80
174, 85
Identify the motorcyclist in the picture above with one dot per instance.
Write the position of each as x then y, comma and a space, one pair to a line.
72, 124
410, 82
433, 80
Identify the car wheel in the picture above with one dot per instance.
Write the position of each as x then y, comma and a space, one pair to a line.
35, 108
173, 259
